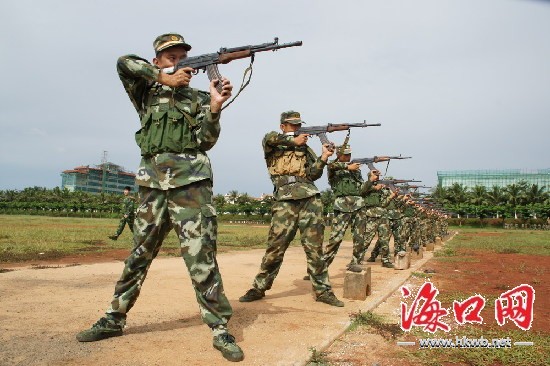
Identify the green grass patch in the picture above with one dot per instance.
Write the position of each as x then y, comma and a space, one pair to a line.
27, 238
445, 252
503, 241
376, 323
317, 358
422, 275
457, 259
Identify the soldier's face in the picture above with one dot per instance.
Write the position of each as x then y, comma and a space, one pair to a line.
170, 57
344, 158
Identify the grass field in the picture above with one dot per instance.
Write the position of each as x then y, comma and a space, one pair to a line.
534, 242
30, 237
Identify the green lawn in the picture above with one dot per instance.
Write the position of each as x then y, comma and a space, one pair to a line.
25, 237
535, 242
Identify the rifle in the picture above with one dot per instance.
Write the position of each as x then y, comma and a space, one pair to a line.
411, 188
322, 131
376, 159
209, 62
392, 182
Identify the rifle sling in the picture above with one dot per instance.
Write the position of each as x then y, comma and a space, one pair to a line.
243, 83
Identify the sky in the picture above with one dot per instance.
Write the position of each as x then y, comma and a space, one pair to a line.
456, 84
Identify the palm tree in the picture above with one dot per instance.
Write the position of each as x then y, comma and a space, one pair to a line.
457, 194
232, 196
534, 194
495, 197
440, 194
218, 200
477, 197
243, 199
514, 196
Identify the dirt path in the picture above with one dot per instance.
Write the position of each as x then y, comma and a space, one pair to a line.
41, 310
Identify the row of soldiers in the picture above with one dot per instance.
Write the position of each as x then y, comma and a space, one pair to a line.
369, 207
372, 208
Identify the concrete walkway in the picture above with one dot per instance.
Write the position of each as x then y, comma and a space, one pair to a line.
42, 310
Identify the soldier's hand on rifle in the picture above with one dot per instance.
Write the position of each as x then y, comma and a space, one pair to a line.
327, 152
301, 140
216, 98
182, 77
354, 166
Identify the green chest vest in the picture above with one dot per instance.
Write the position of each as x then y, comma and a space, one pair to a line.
168, 121
373, 199
345, 182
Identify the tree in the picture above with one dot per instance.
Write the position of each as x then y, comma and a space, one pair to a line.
534, 194
232, 196
327, 197
457, 194
514, 196
219, 201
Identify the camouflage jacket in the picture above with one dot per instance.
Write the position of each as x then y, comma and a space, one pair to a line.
376, 201
287, 187
394, 209
409, 210
177, 127
346, 185
128, 206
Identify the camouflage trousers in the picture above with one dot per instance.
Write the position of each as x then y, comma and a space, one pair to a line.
340, 223
125, 220
400, 229
415, 240
380, 226
287, 217
189, 211
423, 231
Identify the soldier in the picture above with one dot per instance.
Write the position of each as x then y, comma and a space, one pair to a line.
415, 241
345, 180
293, 167
395, 212
128, 214
378, 197
406, 227
178, 125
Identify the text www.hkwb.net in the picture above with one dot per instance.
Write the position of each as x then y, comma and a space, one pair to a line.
464, 342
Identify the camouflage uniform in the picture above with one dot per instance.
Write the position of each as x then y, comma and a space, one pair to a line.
175, 186
415, 238
297, 206
348, 209
395, 215
128, 211
407, 225
378, 222
423, 227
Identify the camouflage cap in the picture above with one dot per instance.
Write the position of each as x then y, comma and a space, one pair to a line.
343, 150
291, 117
164, 41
